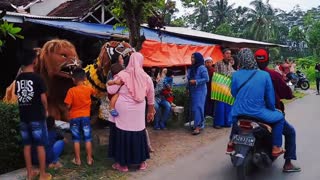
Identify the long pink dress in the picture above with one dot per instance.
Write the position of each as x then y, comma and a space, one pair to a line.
131, 113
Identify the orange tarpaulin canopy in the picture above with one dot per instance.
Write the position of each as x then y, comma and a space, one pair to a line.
166, 54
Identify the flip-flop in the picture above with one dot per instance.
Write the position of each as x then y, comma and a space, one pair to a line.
34, 174
90, 163
143, 166
117, 166
278, 153
75, 163
293, 169
49, 177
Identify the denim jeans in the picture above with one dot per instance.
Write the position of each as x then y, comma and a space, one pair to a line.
80, 126
290, 141
163, 110
34, 132
57, 150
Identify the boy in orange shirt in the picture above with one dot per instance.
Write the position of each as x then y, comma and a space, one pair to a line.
78, 100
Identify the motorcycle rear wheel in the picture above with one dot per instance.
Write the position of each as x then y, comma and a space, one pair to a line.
305, 85
244, 170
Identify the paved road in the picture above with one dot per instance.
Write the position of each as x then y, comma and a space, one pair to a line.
210, 163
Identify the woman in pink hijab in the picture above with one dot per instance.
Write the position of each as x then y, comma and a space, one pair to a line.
130, 141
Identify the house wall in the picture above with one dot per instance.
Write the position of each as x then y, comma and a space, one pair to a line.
45, 7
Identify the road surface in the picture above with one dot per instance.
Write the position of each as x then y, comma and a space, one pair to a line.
210, 162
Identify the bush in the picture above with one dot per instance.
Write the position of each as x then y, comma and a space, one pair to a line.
181, 99
306, 65
11, 155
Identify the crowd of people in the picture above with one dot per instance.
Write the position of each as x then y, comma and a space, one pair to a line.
137, 97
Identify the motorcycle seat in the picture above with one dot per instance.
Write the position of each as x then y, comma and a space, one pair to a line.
257, 120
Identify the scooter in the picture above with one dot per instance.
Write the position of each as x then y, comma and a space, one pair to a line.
252, 145
300, 81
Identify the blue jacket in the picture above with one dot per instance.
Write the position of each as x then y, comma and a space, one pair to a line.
256, 98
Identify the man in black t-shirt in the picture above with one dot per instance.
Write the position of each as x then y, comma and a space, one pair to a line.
31, 89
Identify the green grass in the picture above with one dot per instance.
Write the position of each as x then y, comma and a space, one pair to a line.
100, 170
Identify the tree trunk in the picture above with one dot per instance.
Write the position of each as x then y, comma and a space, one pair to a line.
133, 14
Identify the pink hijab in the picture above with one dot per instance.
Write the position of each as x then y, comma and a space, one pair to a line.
135, 78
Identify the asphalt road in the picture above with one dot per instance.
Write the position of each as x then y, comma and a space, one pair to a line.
210, 162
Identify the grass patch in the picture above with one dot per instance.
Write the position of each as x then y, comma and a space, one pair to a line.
100, 170
297, 95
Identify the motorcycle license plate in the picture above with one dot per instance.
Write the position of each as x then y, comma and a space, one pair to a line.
245, 140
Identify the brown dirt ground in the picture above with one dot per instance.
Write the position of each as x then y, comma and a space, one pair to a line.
168, 144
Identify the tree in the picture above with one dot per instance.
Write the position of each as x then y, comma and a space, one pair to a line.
296, 35
199, 19
313, 38
7, 30
224, 29
240, 20
135, 12
262, 21
222, 12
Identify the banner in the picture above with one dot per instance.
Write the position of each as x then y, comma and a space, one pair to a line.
221, 88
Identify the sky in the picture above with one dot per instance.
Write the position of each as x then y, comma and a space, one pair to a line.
286, 5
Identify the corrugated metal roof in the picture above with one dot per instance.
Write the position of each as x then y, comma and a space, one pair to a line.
200, 34
38, 17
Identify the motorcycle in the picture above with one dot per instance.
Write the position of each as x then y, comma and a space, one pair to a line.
252, 145
299, 80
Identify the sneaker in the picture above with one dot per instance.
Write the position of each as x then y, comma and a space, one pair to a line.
114, 113
230, 148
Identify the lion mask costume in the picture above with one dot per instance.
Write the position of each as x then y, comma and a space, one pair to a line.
55, 62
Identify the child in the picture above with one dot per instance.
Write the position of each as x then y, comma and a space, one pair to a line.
167, 91
78, 101
115, 69
54, 148
31, 92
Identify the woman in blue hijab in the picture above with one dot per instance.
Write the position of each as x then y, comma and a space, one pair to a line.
197, 79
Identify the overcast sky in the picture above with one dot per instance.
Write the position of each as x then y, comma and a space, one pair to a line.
286, 5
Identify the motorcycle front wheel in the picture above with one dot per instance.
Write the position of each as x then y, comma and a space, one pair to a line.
304, 85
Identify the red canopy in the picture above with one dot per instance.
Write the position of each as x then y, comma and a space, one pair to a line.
166, 55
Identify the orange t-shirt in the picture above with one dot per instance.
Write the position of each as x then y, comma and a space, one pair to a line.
79, 98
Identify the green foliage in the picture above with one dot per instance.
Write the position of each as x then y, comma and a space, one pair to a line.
313, 37
11, 156
296, 34
8, 30
306, 65
181, 99
225, 29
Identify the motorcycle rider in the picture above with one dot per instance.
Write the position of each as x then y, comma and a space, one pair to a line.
254, 96
282, 91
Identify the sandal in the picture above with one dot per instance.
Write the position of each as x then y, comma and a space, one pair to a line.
277, 154
49, 177
143, 166
117, 166
90, 162
75, 162
196, 131
33, 175
291, 169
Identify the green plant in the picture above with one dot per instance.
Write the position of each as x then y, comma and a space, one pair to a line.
8, 29
11, 156
181, 99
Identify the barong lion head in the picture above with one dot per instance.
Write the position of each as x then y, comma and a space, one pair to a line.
57, 58
110, 53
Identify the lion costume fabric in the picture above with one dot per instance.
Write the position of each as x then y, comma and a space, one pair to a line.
55, 62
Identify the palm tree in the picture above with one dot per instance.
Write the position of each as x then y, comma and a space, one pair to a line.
200, 17
262, 21
222, 12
